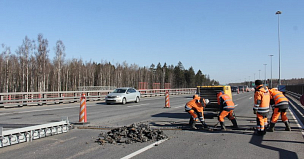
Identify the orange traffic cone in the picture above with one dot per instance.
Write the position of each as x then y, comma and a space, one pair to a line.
83, 109
167, 100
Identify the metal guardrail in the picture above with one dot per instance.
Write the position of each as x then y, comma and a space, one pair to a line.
27, 134
296, 88
295, 95
42, 98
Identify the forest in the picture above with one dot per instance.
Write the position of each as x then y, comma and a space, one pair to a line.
29, 69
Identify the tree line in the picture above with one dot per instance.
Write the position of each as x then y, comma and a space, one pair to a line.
29, 69
275, 82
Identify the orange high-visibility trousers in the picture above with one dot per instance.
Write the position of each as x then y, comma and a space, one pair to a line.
276, 114
225, 113
261, 122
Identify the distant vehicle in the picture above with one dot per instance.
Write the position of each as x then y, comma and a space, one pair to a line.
241, 88
123, 95
234, 89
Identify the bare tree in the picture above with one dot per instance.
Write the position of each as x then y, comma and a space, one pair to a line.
58, 61
6, 52
14, 75
24, 53
42, 59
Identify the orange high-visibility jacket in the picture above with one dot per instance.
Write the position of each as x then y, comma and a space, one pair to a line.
199, 100
278, 97
225, 101
195, 103
261, 99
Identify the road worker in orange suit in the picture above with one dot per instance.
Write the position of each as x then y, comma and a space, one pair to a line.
280, 105
261, 106
226, 109
195, 108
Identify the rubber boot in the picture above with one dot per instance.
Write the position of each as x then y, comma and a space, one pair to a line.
223, 128
271, 127
234, 123
191, 120
192, 124
287, 126
205, 126
261, 132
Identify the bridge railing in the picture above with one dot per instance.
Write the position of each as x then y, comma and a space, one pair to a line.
42, 98
27, 134
295, 91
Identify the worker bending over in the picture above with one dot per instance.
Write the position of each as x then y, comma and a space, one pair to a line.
226, 109
280, 105
195, 108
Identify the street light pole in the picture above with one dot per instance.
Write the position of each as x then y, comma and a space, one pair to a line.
265, 73
249, 81
271, 70
278, 13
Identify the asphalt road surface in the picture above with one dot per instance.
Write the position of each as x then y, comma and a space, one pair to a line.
183, 142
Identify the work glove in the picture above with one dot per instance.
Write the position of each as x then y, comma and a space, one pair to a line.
207, 101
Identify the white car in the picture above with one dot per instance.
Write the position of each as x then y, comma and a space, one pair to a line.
123, 95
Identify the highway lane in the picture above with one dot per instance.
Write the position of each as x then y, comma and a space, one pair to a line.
181, 144
98, 113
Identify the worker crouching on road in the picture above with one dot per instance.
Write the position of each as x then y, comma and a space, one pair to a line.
281, 104
195, 108
226, 109
261, 106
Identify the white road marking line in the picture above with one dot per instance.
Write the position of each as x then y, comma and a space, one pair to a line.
250, 98
5, 114
236, 105
39, 110
240, 98
298, 121
138, 105
143, 149
178, 107
30, 111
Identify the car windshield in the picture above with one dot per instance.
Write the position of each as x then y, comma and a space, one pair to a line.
119, 91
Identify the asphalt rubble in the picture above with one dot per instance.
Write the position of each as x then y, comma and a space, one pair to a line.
137, 132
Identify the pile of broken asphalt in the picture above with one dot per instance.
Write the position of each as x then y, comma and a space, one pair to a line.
140, 132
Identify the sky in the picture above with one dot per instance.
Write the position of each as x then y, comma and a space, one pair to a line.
229, 40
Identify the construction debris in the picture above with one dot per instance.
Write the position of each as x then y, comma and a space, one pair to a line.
134, 133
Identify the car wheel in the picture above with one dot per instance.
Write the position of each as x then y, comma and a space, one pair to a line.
124, 101
107, 103
137, 100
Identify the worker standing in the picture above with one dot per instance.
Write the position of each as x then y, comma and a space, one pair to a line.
261, 106
226, 109
195, 108
281, 104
